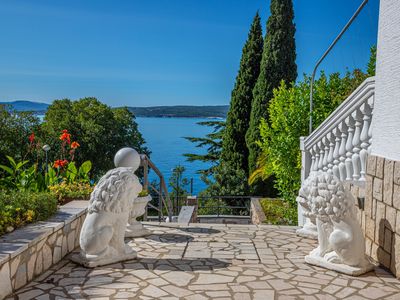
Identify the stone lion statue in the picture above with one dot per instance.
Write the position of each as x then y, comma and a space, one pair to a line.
331, 207
103, 231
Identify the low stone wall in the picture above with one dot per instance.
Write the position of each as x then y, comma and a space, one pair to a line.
380, 218
29, 251
257, 213
382, 212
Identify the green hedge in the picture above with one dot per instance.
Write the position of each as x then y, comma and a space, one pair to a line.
18, 208
279, 212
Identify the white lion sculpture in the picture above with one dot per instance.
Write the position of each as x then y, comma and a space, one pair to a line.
341, 242
103, 231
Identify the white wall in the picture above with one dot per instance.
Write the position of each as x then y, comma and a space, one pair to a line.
386, 114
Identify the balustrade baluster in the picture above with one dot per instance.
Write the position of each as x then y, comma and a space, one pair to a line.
325, 143
371, 104
316, 151
321, 155
312, 154
355, 158
349, 147
331, 141
335, 155
366, 110
342, 149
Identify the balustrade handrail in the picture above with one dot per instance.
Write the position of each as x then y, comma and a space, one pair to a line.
346, 108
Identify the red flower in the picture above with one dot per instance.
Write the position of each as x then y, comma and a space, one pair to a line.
64, 163
65, 136
31, 138
75, 145
59, 163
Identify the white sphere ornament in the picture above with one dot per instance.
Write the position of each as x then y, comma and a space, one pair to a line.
128, 158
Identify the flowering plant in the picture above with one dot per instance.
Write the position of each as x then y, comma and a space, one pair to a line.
23, 176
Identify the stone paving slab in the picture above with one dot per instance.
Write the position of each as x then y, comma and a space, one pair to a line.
212, 262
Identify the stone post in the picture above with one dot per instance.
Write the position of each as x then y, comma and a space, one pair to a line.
192, 201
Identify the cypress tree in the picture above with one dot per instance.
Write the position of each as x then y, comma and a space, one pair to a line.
234, 149
278, 63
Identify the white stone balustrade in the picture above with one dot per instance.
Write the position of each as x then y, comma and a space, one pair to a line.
340, 145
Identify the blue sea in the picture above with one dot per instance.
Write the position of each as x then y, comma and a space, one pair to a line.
165, 138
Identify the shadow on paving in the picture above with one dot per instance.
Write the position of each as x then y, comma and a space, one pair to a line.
200, 230
150, 264
171, 238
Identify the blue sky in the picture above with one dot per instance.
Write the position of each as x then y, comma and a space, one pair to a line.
159, 52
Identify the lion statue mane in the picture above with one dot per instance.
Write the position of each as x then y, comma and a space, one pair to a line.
331, 207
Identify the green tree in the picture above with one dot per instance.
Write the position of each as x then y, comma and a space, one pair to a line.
178, 184
372, 62
212, 142
278, 63
16, 127
99, 129
234, 149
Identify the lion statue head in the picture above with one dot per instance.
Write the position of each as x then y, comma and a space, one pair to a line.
324, 196
110, 192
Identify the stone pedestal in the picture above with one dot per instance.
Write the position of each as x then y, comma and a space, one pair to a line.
134, 227
92, 262
338, 267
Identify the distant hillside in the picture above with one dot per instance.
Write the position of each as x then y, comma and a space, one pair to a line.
181, 111
178, 111
22, 105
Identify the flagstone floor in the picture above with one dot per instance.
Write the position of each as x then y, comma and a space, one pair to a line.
204, 261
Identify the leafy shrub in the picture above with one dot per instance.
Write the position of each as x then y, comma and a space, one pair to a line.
20, 177
18, 208
279, 212
213, 206
71, 191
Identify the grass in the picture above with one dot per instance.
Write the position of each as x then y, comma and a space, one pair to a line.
278, 212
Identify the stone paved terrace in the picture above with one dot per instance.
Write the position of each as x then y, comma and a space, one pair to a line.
203, 261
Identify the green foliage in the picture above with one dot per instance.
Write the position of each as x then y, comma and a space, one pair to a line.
26, 177
178, 186
20, 177
73, 174
212, 142
277, 64
18, 208
279, 212
178, 183
14, 133
215, 206
143, 193
372, 62
226, 182
234, 149
65, 191
288, 121
100, 130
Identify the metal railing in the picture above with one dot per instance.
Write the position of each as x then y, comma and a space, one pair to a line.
220, 206
161, 190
